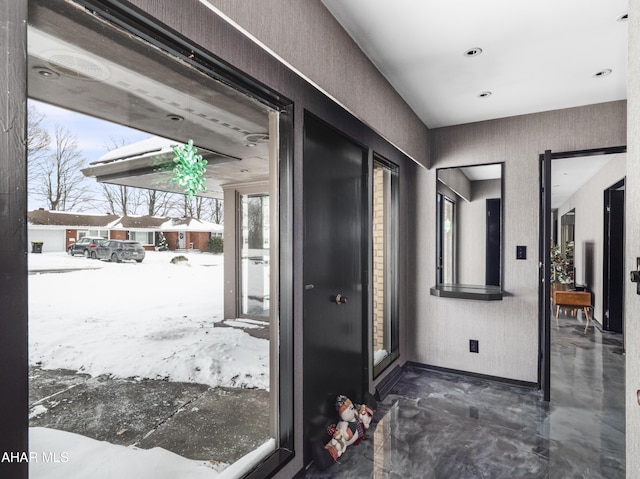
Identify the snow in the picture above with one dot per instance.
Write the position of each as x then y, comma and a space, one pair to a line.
152, 320
379, 355
63, 455
147, 320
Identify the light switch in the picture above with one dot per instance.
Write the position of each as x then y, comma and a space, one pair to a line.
521, 252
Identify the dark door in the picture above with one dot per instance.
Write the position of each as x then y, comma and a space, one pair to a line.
613, 256
493, 247
335, 352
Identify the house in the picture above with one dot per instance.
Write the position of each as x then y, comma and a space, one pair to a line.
58, 229
280, 87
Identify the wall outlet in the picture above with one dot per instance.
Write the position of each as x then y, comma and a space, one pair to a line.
473, 346
521, 252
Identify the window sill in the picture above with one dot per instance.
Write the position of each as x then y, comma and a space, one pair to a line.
467, 291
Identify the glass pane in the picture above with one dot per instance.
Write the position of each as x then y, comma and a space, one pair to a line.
134, 349
254, 255
384, 281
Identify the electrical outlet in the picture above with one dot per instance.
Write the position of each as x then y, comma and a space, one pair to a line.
473, 346
521, 252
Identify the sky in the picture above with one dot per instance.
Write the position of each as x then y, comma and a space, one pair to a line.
94, 137
126, 327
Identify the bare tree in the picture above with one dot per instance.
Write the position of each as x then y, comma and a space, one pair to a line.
216, 211
57, 178
193, 207
38, 140
157, 203
120, 199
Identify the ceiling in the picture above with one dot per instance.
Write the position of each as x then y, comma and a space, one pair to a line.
536, 55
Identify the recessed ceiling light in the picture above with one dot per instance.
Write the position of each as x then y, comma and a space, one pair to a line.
623, 17
485, 94
473, 52
602, 73
44, 72
175, 117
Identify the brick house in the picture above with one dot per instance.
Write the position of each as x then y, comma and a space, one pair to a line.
57, 230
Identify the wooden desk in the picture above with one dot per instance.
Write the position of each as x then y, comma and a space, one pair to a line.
573, 299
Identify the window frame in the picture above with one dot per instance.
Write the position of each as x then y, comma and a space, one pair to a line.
391, 263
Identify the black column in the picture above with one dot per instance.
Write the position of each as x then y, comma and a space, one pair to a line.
14, 386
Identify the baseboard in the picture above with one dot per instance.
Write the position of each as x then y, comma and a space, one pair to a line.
486, 377
386, 385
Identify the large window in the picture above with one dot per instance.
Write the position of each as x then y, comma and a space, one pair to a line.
146, 355
147, 238
385, 264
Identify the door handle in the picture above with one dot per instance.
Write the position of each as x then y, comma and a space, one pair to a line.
341, 299
635, 276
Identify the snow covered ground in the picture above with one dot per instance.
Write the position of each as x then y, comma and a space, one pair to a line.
64, 455
148, 320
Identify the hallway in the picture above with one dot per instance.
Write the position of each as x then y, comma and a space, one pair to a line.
441, 425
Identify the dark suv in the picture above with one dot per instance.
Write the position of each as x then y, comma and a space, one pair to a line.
117, 250
85, 246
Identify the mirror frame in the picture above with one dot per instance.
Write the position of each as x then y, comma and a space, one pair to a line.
469, 291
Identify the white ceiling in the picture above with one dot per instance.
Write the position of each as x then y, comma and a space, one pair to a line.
537, 55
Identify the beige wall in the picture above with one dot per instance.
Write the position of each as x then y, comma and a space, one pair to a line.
507, 330
632, 301
589, 205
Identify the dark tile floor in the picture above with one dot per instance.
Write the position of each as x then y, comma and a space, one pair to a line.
439, 425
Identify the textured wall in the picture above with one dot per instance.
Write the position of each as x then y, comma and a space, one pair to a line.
507, 330
588, 202
632, 301
305, 35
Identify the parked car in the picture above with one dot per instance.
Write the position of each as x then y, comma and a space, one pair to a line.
119, 250
85, 246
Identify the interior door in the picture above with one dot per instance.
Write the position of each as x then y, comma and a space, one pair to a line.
335, 347
613, 295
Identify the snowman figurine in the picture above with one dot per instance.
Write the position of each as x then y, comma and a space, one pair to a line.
354, 421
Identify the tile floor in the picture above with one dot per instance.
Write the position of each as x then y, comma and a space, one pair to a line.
440, 425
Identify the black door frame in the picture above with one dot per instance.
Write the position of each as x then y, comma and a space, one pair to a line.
613, 271
544, 242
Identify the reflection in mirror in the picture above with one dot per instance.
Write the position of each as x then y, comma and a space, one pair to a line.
469, 225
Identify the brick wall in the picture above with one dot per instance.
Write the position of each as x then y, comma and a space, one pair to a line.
199, 239
118, 235
378, 259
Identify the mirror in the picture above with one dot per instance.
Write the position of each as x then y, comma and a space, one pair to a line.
469, 226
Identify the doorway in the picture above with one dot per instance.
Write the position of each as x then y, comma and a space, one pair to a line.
613, 259
585, 263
